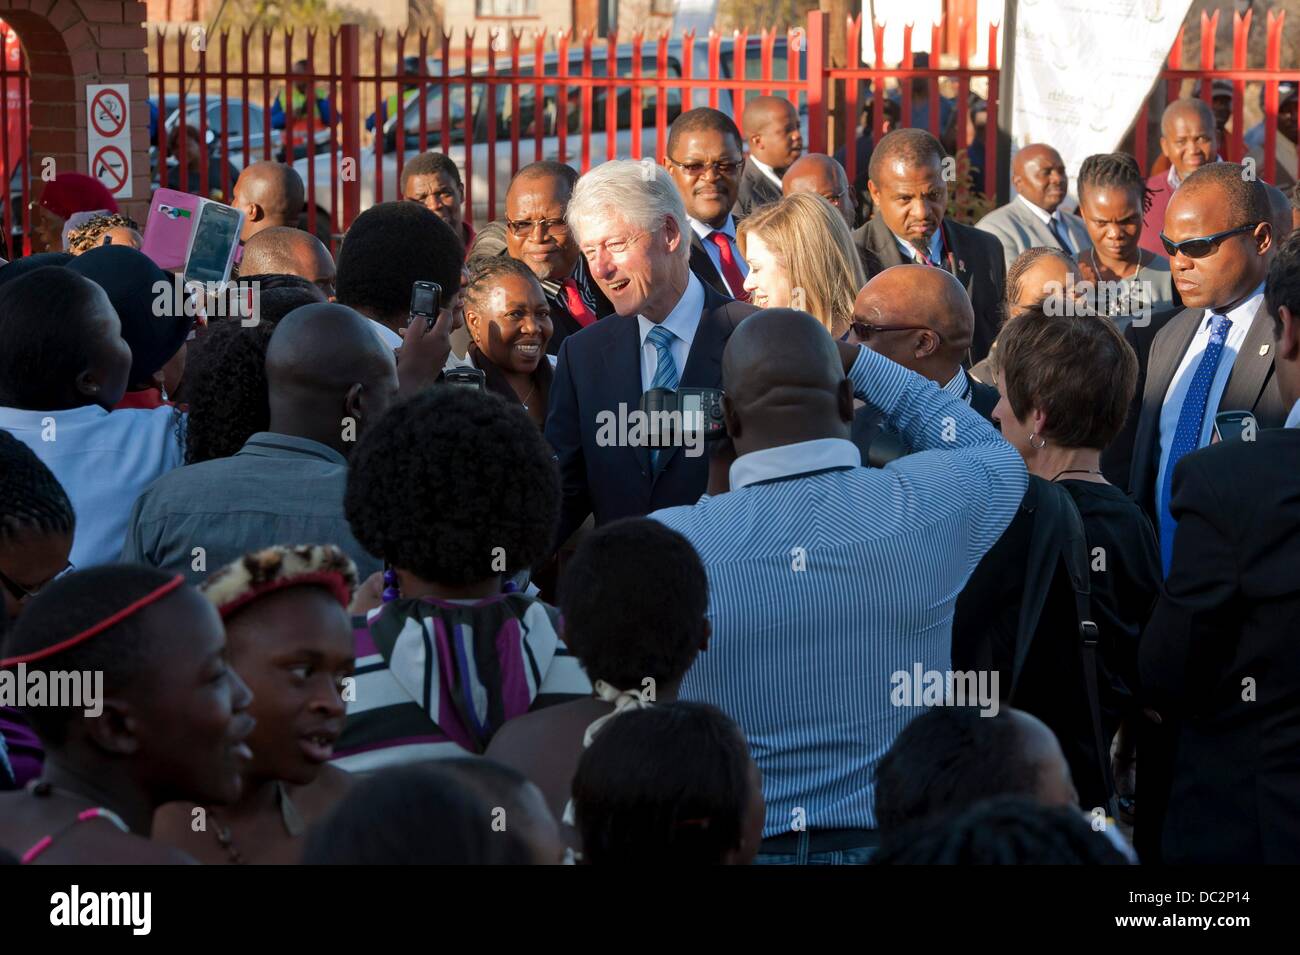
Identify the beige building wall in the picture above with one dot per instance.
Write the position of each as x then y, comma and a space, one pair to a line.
551, 15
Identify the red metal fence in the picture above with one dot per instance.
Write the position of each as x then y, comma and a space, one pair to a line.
577, 99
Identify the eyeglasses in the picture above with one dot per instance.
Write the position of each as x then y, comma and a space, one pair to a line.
612, 246
520, 228
865, 330
723, 167
21, 593
1200, 247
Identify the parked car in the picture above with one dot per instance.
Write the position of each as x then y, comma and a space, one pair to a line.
530, 114
225, 123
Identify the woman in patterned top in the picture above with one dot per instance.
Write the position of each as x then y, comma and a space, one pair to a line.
456, 491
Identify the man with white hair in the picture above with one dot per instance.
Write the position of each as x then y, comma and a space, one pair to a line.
668, 331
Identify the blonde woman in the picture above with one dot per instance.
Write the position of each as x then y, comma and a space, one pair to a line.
801, 255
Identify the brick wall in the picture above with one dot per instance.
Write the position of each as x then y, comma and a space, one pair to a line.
69, 44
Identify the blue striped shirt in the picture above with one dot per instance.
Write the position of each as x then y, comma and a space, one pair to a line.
824, 585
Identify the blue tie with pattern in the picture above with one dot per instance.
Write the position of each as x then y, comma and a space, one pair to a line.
1054, 228
665, 370
1187, 434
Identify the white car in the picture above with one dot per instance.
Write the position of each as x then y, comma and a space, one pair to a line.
327, 198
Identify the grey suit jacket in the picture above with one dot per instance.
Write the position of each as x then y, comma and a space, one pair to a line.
755, 190
1017, 228
1251, 387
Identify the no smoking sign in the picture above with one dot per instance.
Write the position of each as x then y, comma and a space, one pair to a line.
108, 136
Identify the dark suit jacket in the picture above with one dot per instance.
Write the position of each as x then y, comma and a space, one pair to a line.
704, 268
562, 320
599, 369
1229, 613
1251, 387
1117, 459
977, 261
755, 190
879, 447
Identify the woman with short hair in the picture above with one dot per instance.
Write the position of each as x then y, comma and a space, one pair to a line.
801, 255
1065, 382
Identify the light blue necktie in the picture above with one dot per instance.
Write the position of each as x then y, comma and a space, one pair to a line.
1187, 434
665, 370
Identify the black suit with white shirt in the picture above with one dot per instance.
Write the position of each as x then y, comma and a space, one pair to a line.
1251, 386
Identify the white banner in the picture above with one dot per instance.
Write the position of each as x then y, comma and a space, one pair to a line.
1083, 68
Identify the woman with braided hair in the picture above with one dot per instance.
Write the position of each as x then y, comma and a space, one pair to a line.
36, 525
164, 717
1127, 282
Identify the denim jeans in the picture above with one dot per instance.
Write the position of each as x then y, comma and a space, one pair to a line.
860, 855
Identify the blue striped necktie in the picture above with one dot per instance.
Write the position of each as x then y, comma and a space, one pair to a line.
665, 370
1191, 419
1054, 228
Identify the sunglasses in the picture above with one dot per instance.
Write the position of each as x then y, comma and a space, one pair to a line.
865, 330
1200, 247
21, 593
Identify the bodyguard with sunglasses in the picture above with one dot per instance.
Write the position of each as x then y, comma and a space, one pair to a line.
1217, 353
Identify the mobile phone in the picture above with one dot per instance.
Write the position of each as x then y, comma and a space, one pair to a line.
1235, 426
213, 243
169, 227
426, 300
466, 377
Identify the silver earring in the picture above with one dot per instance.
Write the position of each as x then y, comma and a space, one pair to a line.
1037, 447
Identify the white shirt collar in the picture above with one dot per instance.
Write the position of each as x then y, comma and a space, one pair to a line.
386, 335
936, 246
765, 169
684, 319
704, 230
1039, 211
793, 459
1246, 310
15, 418
1293, 419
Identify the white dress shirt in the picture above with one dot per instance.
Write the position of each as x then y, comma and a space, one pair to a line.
936, 247
1047, 218
1293, 419
682, 321
104, 462
1242, 317
728, 228
390, 338
765, 169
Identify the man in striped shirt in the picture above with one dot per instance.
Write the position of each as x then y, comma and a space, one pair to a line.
828, 578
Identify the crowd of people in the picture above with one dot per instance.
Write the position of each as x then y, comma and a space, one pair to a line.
991, 559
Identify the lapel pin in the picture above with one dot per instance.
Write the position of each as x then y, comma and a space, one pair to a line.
1263, 350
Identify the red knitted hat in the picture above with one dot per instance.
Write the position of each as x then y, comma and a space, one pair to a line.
71, 192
